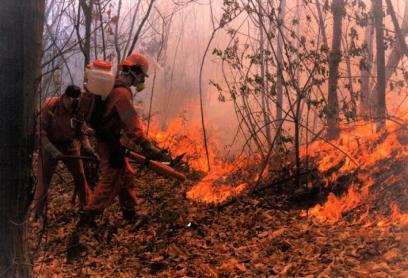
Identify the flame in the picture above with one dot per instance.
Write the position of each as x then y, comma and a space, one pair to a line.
396, 218
360, 150
225, 178
183, 136
335, 207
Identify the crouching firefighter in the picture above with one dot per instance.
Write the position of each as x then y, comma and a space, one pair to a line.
59, 129
113, 116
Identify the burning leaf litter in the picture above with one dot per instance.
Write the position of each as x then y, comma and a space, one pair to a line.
378, 162
365, 231
224, 180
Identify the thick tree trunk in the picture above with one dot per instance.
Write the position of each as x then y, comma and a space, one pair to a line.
379, 38
87, 8
338, 10
21, 25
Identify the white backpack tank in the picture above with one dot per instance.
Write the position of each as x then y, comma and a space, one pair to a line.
100, 78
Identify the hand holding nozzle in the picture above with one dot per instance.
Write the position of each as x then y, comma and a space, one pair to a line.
155, 165
152, 152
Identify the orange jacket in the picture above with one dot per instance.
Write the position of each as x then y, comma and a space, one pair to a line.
54, 124
118, 114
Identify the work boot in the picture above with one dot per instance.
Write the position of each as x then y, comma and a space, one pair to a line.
87, 219
129, 215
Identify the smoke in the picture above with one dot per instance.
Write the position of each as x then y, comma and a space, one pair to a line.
174, 38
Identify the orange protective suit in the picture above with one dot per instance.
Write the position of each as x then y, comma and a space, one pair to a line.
116, 174
55, 130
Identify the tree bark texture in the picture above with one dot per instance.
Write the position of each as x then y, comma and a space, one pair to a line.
21, 25
379, 38
338, 10
87, 8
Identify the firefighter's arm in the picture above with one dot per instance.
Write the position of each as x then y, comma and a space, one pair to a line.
134, 128
148, 149
87, 149
43, 120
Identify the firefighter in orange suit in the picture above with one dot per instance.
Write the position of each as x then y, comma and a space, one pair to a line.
60, 133
111, 119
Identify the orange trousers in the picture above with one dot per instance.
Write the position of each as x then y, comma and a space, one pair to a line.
46, 168
114, 181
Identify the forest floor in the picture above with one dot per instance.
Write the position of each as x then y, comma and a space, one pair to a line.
265, 234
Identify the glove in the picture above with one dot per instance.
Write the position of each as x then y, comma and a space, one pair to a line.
89, 151
53, 151
151, 152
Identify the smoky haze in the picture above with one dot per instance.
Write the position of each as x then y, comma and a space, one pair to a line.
175, 37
